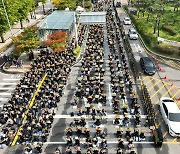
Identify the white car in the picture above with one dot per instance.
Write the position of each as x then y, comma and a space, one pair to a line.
132, 34
171, 115
126, 21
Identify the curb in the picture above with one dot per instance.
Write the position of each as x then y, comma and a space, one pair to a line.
10, 72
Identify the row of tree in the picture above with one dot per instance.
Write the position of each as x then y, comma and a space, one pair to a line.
71, 4
17, 11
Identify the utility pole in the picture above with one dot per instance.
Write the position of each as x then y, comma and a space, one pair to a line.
7, 17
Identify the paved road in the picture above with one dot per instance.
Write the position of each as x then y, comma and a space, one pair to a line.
164, 83
8, 83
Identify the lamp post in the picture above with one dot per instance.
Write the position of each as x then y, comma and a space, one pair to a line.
7, 17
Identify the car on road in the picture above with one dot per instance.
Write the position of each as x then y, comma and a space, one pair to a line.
171, 115
132, 34
127, 21
147, 66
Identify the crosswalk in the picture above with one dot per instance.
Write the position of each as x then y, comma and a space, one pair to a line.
7, 86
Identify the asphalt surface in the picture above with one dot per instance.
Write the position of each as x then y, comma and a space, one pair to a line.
157, 86
165, 83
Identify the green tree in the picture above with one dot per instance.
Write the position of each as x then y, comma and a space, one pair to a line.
27, 40
11, 9
43, 3
25, 6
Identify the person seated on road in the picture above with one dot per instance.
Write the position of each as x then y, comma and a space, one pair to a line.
119, 132
117, 120
69, 131
126, 120
120, 142
57, 151
68, 150
82, 122
128, 133
28, 149
142, 135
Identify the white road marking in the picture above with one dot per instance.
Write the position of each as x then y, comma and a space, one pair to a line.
109, 142
110, 95
108, 116
3, 83
6, 88
3, 73
11, 79
12, 76
5, 94
3, 99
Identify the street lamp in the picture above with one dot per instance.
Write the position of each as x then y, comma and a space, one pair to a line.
7, 17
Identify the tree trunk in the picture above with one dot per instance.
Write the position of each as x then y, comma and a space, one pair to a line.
31, 14
155, 26
21, 24
44, 10
2, 38
34, 14
158, 26
147, 18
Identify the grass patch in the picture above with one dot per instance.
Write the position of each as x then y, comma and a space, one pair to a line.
168, 29
77, 51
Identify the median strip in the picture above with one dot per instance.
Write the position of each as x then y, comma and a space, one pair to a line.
27, 111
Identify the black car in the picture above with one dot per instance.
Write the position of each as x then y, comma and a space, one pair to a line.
147, 65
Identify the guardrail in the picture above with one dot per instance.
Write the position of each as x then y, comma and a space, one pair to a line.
27, 111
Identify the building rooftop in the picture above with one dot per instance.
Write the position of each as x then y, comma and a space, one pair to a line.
58, 20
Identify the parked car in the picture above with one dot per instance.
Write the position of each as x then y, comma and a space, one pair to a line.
171, 115
147, 65
126, 21
132, 34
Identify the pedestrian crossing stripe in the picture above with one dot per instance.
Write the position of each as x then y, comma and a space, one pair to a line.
9, 83
87, 116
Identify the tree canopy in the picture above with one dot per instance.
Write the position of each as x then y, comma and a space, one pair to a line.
17, 10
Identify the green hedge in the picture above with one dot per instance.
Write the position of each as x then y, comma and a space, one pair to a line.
169, 29
77, 51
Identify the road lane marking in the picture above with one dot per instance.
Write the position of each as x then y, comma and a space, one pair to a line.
171, 142
159, 90
109, 142
153, 86
164, 135
149, 82
175, 140
4, 83
145, 78
87, 116
11, 79
110, 95
6, 88
175, 94
27, 111
165, 94
5, 94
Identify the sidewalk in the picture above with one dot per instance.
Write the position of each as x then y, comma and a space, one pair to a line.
16, 29
24, 68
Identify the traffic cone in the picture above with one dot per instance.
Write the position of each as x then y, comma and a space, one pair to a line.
178, 99
160, 69
165, 77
